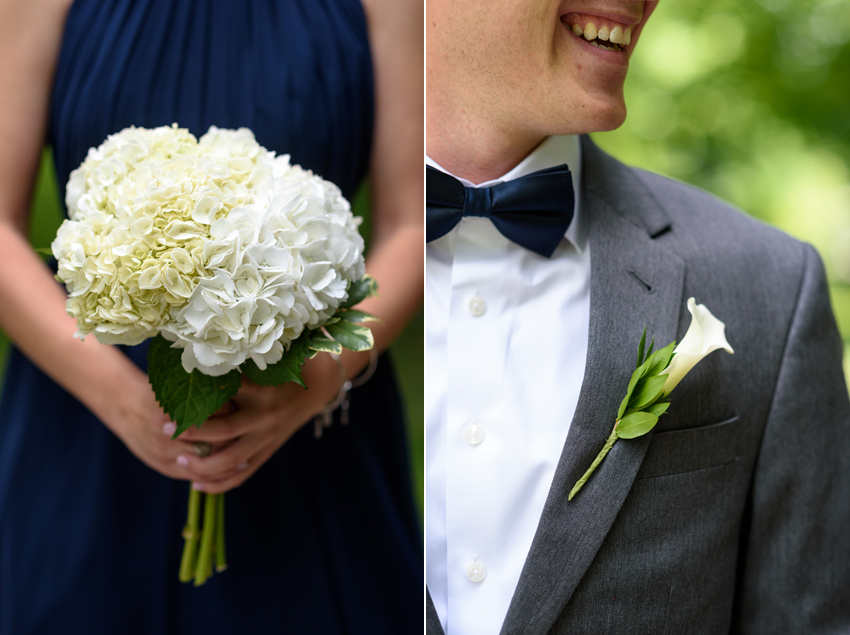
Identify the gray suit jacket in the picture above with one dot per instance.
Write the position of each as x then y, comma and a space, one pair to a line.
733, 515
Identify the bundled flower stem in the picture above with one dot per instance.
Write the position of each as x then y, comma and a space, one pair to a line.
220, 554
205, 557
602, 454
191, 534
203, 543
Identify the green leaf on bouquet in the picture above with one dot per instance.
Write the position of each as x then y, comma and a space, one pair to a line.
188, 398
352, 336
322, 344
287, 369
659, 408
636, 376
661, 359
640, 348
647, 392
359, 291
636, 425
356, 316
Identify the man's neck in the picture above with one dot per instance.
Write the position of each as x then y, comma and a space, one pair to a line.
473, 149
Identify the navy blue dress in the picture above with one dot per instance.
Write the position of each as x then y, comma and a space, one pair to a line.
324, 537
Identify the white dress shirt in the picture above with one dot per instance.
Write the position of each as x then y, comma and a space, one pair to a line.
506, 342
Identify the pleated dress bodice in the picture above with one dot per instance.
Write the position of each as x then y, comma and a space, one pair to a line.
296, 72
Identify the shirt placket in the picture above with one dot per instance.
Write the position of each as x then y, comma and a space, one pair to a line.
474, 440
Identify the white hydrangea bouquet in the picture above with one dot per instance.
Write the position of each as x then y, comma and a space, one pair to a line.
232, 259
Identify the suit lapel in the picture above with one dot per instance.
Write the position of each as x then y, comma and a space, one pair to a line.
432, 620
635, 281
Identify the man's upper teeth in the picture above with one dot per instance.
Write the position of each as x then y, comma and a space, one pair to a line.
616, 35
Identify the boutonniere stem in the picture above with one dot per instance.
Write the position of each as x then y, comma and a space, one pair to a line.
655, 378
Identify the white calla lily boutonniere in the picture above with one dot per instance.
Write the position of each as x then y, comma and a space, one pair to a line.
657, 375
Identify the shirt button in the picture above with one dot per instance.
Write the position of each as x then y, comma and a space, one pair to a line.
477, 306
473, 434
476, 572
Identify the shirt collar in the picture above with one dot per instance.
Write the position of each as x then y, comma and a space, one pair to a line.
551, 152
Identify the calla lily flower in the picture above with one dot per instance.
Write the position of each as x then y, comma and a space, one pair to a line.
643, 404
705, 335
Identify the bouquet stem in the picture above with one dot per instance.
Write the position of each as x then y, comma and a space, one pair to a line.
191, 534
204, 568
202, 542
220, 554
602, 453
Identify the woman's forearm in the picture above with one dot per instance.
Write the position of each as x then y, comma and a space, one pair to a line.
397, 176
32, 313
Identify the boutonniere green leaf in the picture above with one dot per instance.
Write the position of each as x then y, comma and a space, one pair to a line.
655, 377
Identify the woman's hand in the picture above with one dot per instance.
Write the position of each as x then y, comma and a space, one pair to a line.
266, 417
136, 418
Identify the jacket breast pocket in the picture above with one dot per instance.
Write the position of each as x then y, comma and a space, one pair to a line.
680, 451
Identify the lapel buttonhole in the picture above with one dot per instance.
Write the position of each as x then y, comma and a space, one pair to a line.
643, 283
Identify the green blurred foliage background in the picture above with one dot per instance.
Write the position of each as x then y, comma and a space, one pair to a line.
750, 100
407, 351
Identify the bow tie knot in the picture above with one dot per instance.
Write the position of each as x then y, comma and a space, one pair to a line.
478, 201
533, 211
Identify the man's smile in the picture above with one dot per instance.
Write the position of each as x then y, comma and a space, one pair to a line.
616, 37
605, 32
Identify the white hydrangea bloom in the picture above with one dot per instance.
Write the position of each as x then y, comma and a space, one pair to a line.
215, 243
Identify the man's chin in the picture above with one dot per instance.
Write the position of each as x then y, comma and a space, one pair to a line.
610, 120
592, 117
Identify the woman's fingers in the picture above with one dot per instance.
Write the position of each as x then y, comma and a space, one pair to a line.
228, 408
160, 457
165, 445
220, 429
154, 447
245, 433
235, 480
223, 463
173, 470
169, 427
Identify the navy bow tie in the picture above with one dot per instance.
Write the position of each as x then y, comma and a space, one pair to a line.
533, 211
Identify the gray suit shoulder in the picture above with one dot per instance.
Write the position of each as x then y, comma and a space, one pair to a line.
727, 254
707, 228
